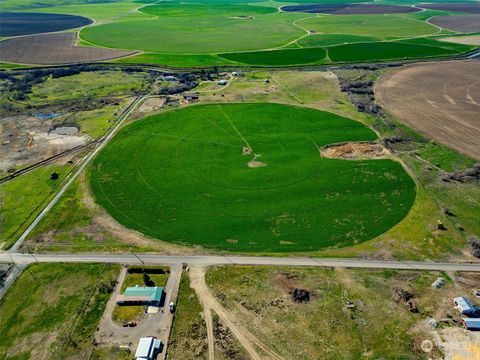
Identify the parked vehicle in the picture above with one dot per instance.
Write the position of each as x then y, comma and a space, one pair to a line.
172, 307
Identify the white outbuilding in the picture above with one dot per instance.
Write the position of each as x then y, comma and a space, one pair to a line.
148, 348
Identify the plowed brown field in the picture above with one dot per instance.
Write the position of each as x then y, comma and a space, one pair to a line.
459, 23
55, 48
439, 99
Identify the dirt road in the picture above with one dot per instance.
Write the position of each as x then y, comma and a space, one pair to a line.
246, 339
158, 325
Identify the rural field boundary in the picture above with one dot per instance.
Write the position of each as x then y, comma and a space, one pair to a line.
84, 162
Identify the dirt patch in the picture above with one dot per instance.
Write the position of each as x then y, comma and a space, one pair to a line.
225, 342
465, 40
150, 105
41, 342
246, 150
459, 344
466, 8
55, 48
354, 151
459, 23
438, 99
26, 139
349, 9
286, 281
254, 163
246, 17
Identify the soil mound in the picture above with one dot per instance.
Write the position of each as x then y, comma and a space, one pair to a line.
354, 151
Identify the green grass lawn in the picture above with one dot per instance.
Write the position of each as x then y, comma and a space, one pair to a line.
135, 279
52, 310
24, 197
161, 173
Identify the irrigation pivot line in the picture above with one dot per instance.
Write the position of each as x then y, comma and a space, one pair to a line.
84, 163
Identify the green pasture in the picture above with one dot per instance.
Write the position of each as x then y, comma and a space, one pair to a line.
52, 310
176, 60
378, 26
278, 57
207, 32
181, 177
203, 34
88, 84
22, 199
385, 51
332, 39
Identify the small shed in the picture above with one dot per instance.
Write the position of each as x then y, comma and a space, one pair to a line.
464, 306
148, 348
471, 323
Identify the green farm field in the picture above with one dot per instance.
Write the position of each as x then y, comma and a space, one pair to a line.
206, 33
187, 176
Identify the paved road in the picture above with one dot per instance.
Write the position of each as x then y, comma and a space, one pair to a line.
207, 260
84, 163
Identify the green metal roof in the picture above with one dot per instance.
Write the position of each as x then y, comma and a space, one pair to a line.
154, 293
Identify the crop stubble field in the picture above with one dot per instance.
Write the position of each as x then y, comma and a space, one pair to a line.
251, 177
55, 48
441, 100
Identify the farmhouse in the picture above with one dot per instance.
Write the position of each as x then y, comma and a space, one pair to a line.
142, 295
471, 323
191, 97
464, 306
148, 348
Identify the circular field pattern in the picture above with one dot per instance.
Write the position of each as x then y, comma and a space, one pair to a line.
17, 23
349, 9
248, 177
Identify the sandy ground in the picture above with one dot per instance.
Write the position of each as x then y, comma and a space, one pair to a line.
466, 40
459, 344
150, 105
439, 99
354, 151
26, 139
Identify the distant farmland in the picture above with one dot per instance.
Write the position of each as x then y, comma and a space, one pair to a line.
441, 100
56, 48
14, 24
234, 32
248, 177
